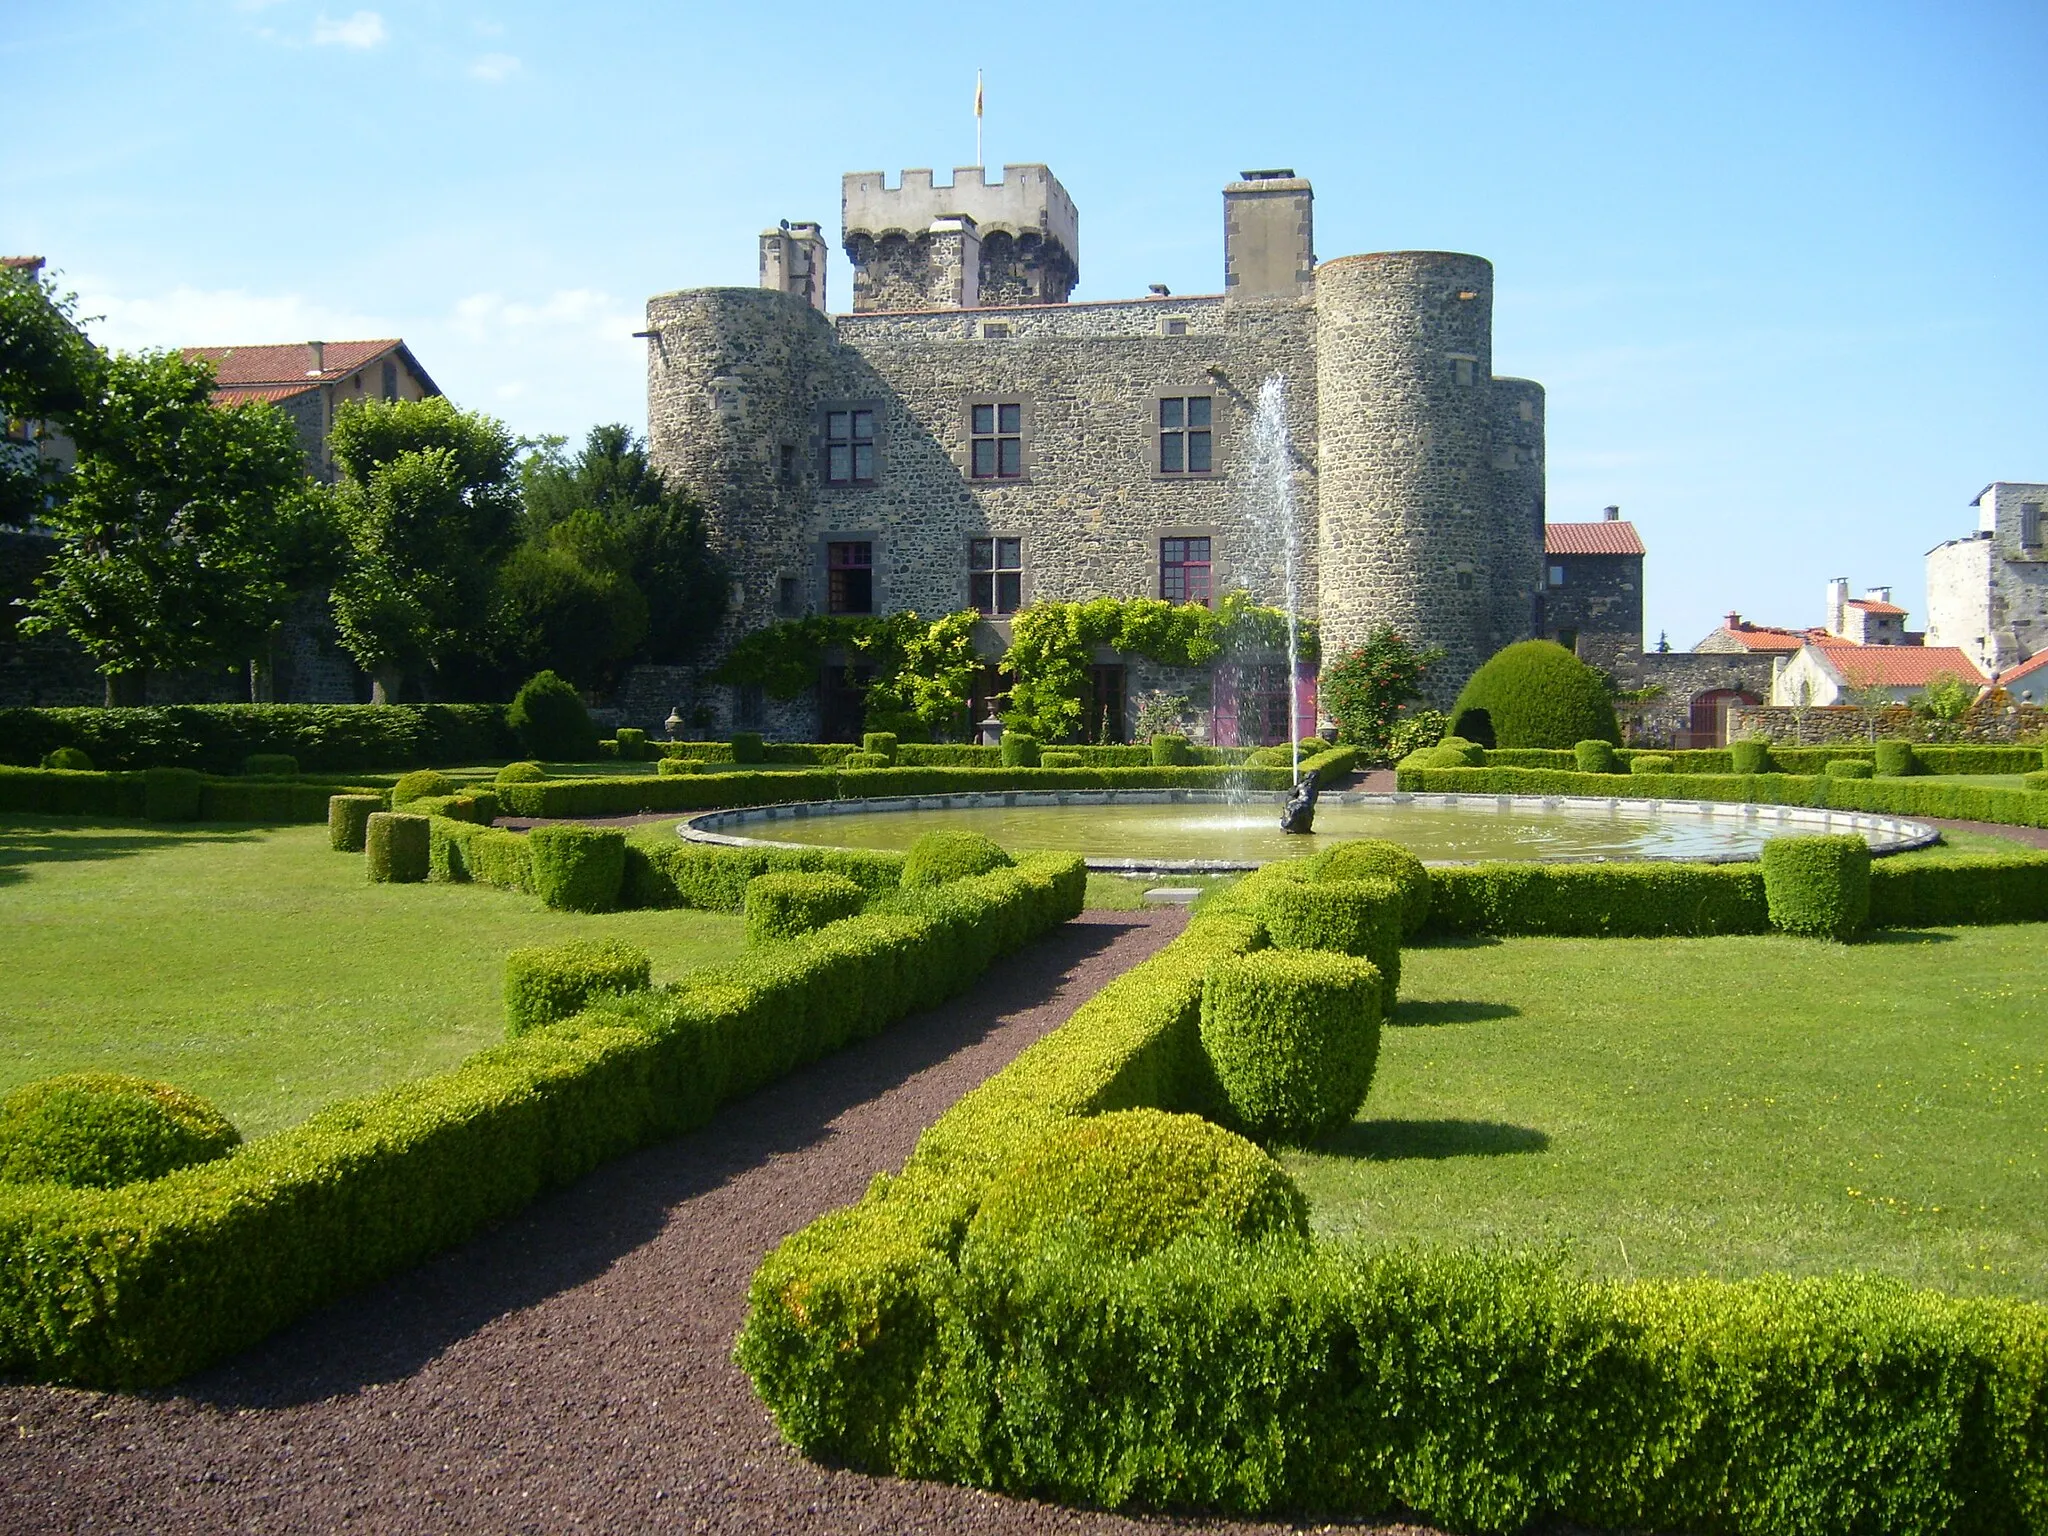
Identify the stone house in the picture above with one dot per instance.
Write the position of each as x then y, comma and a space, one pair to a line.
1988, 593
1825, 672
310, 380
1593, 591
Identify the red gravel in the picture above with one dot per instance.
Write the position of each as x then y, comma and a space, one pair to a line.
571, 1369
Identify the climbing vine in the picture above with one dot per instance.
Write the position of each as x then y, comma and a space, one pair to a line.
922, 672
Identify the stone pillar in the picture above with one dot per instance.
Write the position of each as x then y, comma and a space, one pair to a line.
1269, 247
793, 262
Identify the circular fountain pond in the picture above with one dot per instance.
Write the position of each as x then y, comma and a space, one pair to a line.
1194, 830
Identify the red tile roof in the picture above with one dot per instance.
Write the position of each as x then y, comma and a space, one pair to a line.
242, 394
2022, 669
1898, 666
1767, 637
289, 362
22, 263
1872, 605
1606, 537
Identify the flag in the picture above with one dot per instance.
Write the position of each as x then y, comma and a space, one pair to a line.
977, 94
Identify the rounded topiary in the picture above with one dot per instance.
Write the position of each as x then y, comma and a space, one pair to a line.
548, 717
1020, 749
1652, 762
348, 820
864, 760
521, 773
70, 759
1851, 768
577, 869
101, 1129
747, 747
1057, 759
880, 744
1292, 1037
1371, 858
1595, 757
421, 784
1457, 752
939, 857
1347, 917
668, 767
397, 847
1132, 1181
1750, 755
270, 765
1817, 886
1171, 752
1896, 759
786, 904
1535, 693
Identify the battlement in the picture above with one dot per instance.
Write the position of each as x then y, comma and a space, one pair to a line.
1023, 199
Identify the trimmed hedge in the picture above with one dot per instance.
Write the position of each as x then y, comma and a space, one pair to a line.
664, 871
218, 738
1595, 757
880, 744
1896, 759
348, 820
271, 765
1170, 752
1850, 768
171, 794
1054, 758
397, 846
1292, 1037
1362, 918
864, 760
577, 869
937, 857
99, 1130
1377, 859
521, 773
787, 904
1649, 762
1647, 900
1020, 749
1534, 693
466, 853
1749, 756
547, 983
142, 1285
549, 720
1818, 886
746, 747
423, 784
68, 760
668, 766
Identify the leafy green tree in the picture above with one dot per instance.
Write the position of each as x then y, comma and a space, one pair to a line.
49, 372
1363, 690
569, 602
177, 527
428, 504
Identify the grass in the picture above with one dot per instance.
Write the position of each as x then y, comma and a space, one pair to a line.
1719, 1106
1126, 893
260, 969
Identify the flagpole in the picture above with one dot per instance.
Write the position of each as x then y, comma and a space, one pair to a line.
977, 120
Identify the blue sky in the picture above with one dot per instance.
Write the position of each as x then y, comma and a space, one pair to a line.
1780, 267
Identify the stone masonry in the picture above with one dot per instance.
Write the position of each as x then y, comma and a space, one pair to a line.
1988, 593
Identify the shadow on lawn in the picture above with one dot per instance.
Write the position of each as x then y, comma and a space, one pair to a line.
52, 843
1905, 936
1386, 1141
1450, 1011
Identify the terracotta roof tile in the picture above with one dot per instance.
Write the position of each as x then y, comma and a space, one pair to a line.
1872, 605
289, 362
1898, 666
1602, 538
242, 393
2026, 668
1767, 637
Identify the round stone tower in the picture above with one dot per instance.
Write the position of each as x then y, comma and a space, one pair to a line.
1412, 530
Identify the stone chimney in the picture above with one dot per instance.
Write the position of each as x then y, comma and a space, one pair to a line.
1878, 595
316, 359
955, 247
1838, 605
1269, 245
793, 261
1611, 514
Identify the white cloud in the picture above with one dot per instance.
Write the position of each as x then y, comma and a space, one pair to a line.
495, 67
365, 29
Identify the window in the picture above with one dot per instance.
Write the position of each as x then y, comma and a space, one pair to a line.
390, 379
1569, 639
1464, 581
2030, 524
1462, 370
1173, 325
850, 447
748, 706
850, 577
789, 601
996, 440
995, 575
995, 330
788, 471
1184, 434
1184, 566
1557, 575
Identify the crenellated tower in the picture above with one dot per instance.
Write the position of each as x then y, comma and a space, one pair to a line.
1015, 240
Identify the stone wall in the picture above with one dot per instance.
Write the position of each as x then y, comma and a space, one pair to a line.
1820, 726
1683, 677
1601, 599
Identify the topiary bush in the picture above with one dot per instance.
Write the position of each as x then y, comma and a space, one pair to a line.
1595, 757
669, 767
398, 847
747, 747
1750, 755
937, 858
348, 820
277, 765
1292, 1037
101, 1129
422, 784
1171, 752
631, 745
70, 759
1457, 752
2036, 781
544, 983
1535, 693
1651, 762
1896, 759
1051, 758
1371, 858
548, 717
1850, 768
787, 904
521, 773
171, 794
578, 869
1818, 886
864, 760
1129, 1183
880, 744
1020, 749
1347, 917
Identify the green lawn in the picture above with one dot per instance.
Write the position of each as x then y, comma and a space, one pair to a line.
1715, 1106
259, 968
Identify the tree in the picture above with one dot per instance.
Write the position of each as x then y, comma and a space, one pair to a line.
569, 602
49, 372
1363, 690
428, 503
175, 528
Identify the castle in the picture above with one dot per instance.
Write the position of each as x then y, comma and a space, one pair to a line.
970, 437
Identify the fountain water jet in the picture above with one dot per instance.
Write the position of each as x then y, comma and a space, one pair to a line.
1272, 510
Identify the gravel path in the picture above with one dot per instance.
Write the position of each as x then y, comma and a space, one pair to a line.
571, 1369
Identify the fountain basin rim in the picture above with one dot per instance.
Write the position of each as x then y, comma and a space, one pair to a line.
1895, 834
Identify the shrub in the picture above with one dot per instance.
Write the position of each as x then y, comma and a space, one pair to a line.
548, 717
398, 846
669, 767
215, 738
1056, 759
1130, 1182
70, 759
171, 794
1292, 1037
1414, 732
100, 1129
864, 760
521, 773
938, 858
1750, 755
1817, 886
1649, 762
1850, 768
544, 983
348, 820
280, 765
632, 745
791, 903
1535, 693
747, 747
2035, 782
1170, 751
578, 869
1595, 757
424, 784
1020, 749
1376, 859
1458, 752
1362, 918
880, 744
1896, 759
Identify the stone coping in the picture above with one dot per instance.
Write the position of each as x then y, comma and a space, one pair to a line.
1885, 834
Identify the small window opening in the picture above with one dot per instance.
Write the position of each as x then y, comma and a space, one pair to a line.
850, 447
1185, 566
1462, 371
789, 601
1185, 436
995, 574
749, 705
996, 330
850, 577
996, 437
1557, 575
1174, 326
